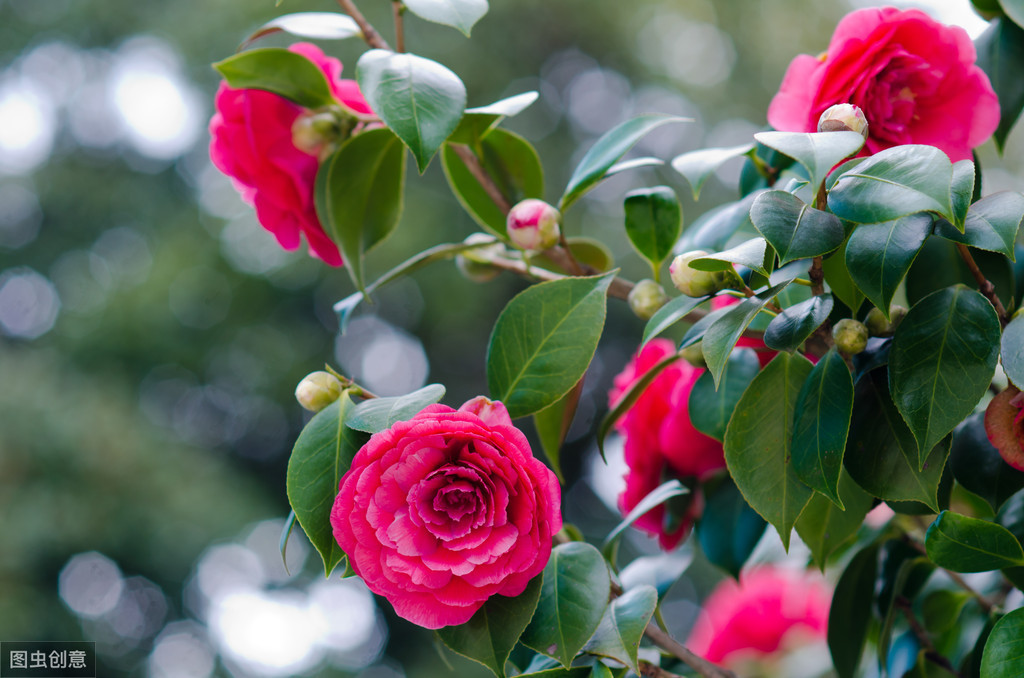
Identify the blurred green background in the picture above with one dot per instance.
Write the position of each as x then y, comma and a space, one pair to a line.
151, 333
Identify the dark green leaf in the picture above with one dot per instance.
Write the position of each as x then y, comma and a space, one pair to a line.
315, 25
979, 467
286, 532
942, 608
757, 443
939, 265
321, 456
713, 229
280, 71
698, 165
893, 183
606, 151
750, 254
818, 152
553, 423
654, 220
378, 414
795, 229
418, 99
941, 362
849, 618
903, 573
656, 497
722, 335
619, 633
838, 279
1001, 56
491, 633
699, 328
630, 397
459, 14
824, 527
359, 195
544, 341
791, 328
820, 425
1004, 650
669, 314
710, 408
572, 602
878, 256
964, 544
729, 529
574, 672
992, 224
972, 662
961, 190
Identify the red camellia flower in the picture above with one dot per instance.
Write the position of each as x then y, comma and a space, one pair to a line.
768, 611
914, 78
1004, 424
441, 512
251, 142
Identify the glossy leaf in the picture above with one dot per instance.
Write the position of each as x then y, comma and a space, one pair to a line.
572, 602
729, 529
791, 328
1012, 350
377, 414
750, 254
359, 192
321, 456
459, 14
280, 71
710, 408
544, 341
656, 497
712, 230
820, 425
660, 571
978, 466
878, 256
697, 331
757, 443
619, 633
964, 544
795, 229
992, 224
670, 314
939, 265
1001, 55
837, 277
513, 164
478, 122
941, 362
607, 151
961, 191
552, 424
849, 618
818, 152
654, 220
893, 183
312, 25
1004, 650
491, 633
418, 99
824, 527
698, 165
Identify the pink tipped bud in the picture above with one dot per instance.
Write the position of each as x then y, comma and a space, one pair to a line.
317, 390
696, 283
843, 118
533, 225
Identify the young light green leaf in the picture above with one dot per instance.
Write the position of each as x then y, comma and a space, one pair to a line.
936, 388
878, 256
280, 71
619, 633
659, 495
670, 314
757, 443
823, 526
313, 25
818, 152
654, 220
572, 602
491, 633
965, 544
710, 408
750, 254
418, 99
729, 529
1004, 649
849, 618
698, 165
992, 224
791, 328
378, 414
795, 229
606, 151
544, 341
459, 14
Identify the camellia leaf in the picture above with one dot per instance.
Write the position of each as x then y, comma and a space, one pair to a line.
698, 165
1001, 56
619, 633
544, 341
491, 633
321, 456
1012, 346
795, 229
313, 25
629, 398
713, 229
942, 608
939, 265
1004, 650
587, 251
378, 414
359, 193
710, 408
280, 71
478, 122
654, 220
606, 151
670, 314
904, 572
893, 183
459, 14
964, 544
978, 466
657, 496
823, 526
961, 190
729, 529
941, 362
849, 617
699, 329
878, 256
791, 328
552, 424
820, 425
838, 279
992, 224
511, 162
757, 443
660, 571
818, 152
573, 599
418, 99
750, 254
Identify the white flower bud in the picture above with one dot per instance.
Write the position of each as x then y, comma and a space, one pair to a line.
317, 390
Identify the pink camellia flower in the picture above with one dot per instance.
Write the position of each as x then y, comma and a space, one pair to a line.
1004, 424
441, 512
251, 142
769, 611
915, 79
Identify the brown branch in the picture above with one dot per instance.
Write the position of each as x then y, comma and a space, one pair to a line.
370, 34
984, 285
649, 670
399, 10
475, 168
702, 666
987, 605
618, 289
930, 653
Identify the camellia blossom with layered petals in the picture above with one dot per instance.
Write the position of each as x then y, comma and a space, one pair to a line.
770, 610
1004, 424
251, 142
441, 512
914, 78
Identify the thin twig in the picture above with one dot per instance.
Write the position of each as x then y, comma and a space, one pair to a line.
370, 34
931, 654
475, 168
399, 10
649, 670
702, 666
984, 285
619, 287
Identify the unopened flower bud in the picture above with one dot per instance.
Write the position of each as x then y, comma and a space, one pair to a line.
877, 324
317, 390
843, 118
695, 283
896, 315
694, 354
851, 336
533, 225
313, 131
646, 298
